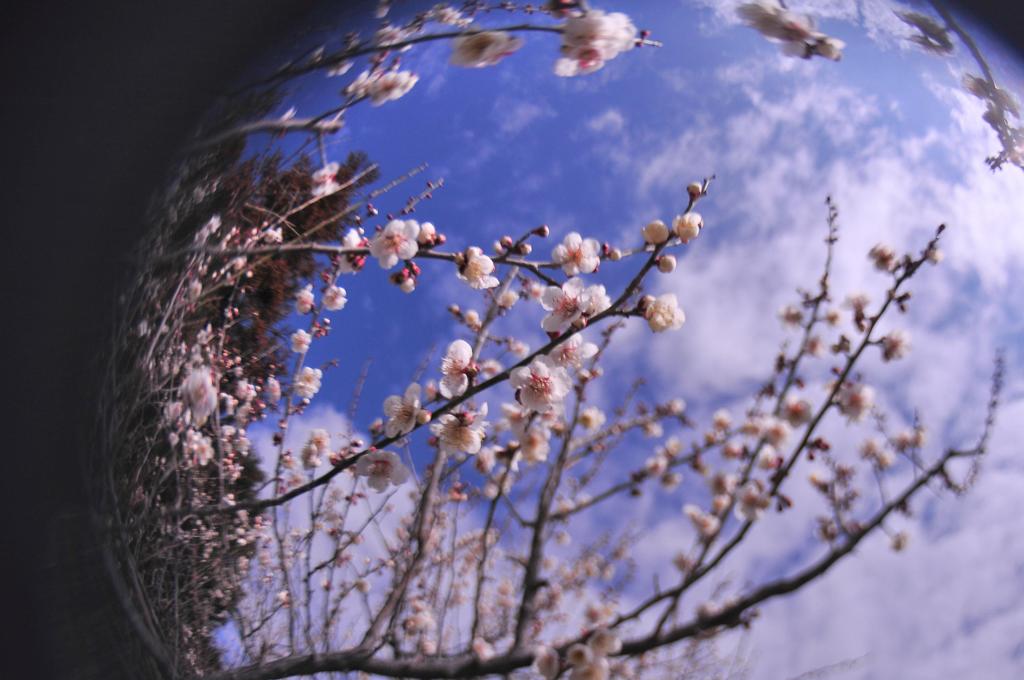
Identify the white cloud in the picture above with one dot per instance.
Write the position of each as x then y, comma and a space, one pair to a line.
609, 121
514, 115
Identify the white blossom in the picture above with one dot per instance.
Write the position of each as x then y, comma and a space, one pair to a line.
796, 411
591, 39
351, 240
476, 271
664, 313
382, 87
895, 345
272, 390
597, 300
462, 431
604, 642
883, 257
199, 393
796, 31
388, 36
397, 241
335, 298
535, 444
300, 341
768, 458
775, 431
318, 444
402, 411
591, 418
304, 300
573, 352
706, 524
199, 446
545, 662
482, 649
751, 501
541, 385
483, 49
307, 382
381, 468
577, 255
687, 227
855, 400
791, 316
656, 232
444, 14
565, 304
456, 367
873, 451
325, 180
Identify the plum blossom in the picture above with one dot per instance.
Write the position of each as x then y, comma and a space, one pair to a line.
350, 264
775, 431
883, 257
535, 444
895, 345
325, 180
566, 304
791, 316
707, 525
911, 439
199, 446
545, 662
304, 300
300, 341
382, 87
382, 468
482, 649
335, 298
516, 417
307, 382
462, 431
541, 385
577, 255
604, 642
796, 411
591, 39
796, 31
199, 393
318, 444
402, 411
592, 418
873, 451
656, 232
476, 271
483, 49
272, 390
443, 14
389, 35
751, 501
858, 302
687, 227
768, 458
855, 400
397, 241
573, 352
597, 300
664, 313
457, 368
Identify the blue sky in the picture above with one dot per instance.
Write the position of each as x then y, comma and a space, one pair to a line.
888, 133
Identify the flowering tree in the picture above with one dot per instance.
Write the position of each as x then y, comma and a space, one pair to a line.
337, 554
